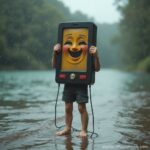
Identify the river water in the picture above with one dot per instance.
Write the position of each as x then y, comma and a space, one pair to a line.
121, 103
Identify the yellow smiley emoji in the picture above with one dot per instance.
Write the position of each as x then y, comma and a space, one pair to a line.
75, 45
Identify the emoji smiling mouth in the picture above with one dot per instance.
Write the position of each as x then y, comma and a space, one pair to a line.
75, 54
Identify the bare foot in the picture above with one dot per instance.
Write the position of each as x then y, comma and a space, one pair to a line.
82, 134
63, 132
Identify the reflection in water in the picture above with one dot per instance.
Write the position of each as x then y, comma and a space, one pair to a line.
84, 143
69, 143
72, 143
134, 119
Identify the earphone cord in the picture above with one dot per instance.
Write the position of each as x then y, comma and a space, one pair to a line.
58, 127
93, 134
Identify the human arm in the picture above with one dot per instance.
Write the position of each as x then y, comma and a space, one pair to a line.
93, 51
56, 49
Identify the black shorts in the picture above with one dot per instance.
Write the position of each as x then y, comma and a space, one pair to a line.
75, 92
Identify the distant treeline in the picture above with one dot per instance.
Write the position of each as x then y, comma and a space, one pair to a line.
135, 33
28, 31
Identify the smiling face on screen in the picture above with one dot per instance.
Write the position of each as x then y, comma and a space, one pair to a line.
74, 49
75, 44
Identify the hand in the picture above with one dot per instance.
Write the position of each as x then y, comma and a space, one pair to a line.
93, 50
57, 48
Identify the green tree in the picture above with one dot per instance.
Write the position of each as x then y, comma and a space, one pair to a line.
135, 29
28, 31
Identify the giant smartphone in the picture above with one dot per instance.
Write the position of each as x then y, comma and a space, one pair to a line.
74, 62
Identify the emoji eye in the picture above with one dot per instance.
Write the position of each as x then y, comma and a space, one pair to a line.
82, 43
68, 43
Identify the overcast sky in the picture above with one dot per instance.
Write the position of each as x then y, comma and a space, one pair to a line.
103, 11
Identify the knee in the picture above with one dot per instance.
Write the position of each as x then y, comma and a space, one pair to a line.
68, 108
81, 108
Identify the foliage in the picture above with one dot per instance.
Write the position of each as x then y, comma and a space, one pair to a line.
24, 32
28, 31
109, 48
135, 30
144, 65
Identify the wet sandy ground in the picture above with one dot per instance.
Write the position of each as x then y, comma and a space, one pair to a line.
121, 103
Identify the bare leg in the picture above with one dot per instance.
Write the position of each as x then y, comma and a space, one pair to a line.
68, 119
84, 119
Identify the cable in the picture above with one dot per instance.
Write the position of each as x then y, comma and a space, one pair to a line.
58, 127
74, 129
93, 132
